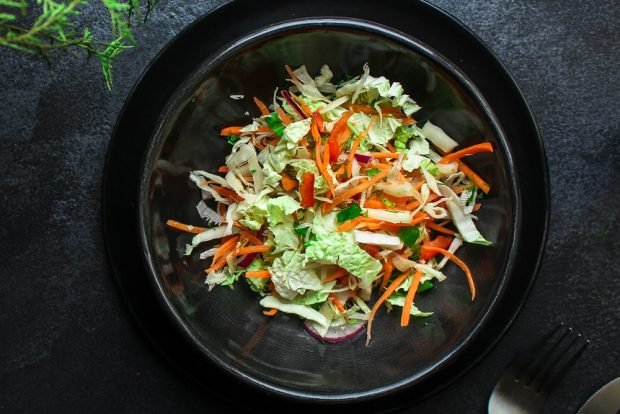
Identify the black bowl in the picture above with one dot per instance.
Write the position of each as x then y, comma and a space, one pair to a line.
224, 329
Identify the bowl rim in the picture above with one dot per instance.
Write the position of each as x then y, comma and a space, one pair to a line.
266, 34
119, 186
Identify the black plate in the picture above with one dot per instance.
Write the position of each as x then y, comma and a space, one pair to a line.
142, 115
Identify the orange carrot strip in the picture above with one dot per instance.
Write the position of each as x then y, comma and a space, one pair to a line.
283, 116
216, 266
413, 288
374, 204
294, 77
223, 169
356, 144
184, 227
325, 173
259, 274
336, 275
356, 190
261, 106
408, 121
319, 121
287, 182
227, 192
304, 107
395, 284
249, 236
337, 303
474, 149
390, 147
253, 249
474, 177
388, 268
459, 263
232, 130
270, 312
441, 229
381, 155
224, 248
348, 225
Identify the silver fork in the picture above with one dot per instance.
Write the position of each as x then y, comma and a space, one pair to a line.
530, 378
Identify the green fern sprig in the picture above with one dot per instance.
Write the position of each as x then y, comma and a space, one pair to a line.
54, 28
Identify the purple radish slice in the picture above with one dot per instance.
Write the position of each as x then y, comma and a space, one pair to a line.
246, 260
364, 159
336, 334
289, 99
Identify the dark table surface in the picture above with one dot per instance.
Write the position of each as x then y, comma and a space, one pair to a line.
67, 341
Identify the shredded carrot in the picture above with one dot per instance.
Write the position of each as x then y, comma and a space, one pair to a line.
413, 288
231, 130
227, 192
348, 225
395, 284
323, 169
221, 263
459, 263
381, 155
254, 249
408, 121
441, 229
355, 190
261, 106
225, 248
474, 177
283, 116
388, 268
246, 235
356, 144
319, 121
290, 72
259, 274
474, 149
374, 203
390, 147
304, 107
337, 303
287, 182
371, 249
185, 227
336, 275
270, 312
223, 169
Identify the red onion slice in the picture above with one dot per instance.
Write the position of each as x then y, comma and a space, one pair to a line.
364, 159
246, 260
287, 96
337, 334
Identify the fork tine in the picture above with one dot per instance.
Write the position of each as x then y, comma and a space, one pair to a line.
552, 377
538, 354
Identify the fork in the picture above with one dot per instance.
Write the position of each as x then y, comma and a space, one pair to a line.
531, 377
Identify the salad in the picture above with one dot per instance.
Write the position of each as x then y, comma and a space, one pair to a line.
334, 204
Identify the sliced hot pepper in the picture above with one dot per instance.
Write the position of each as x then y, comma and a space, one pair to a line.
306, 189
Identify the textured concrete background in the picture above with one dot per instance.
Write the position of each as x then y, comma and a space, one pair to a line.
67, 344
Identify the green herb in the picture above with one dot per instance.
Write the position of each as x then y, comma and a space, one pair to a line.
388, 203
311, 240
302, 231
409, 235
372, 172
54, 28
275, 123
232, 139
349, 213
424, 286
